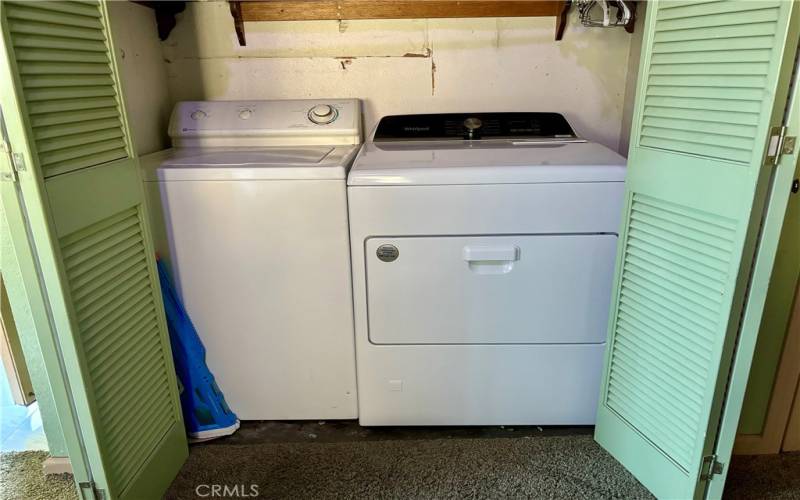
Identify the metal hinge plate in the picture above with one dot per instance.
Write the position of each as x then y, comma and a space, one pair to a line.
779, 144
710, 467
7, 171
91, 488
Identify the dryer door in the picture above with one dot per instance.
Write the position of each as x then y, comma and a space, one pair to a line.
521, 289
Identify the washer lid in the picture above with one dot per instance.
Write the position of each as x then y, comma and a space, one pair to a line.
485, 162
273, 163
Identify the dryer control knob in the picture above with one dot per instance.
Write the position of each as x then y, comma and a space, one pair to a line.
245, 114
199, 114
322, 113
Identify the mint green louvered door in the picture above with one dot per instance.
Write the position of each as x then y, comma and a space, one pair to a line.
713, 81
82, 195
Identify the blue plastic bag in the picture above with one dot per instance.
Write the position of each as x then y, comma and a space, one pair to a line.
205, 412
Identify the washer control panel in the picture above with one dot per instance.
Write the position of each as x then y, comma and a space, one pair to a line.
322, 114
253, 123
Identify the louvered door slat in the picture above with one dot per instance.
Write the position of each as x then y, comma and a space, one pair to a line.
127, 462
85, 110
56, 159
32, 12
722, 44
68, 142
769, 13
694, 9
109, 271
692, 99
711, 57
157, 412
49, 42
723, 47
144, 354
52, 83
659, 406
131, 292
96, 303
111, 283
56, 30
58, 93
702, 126
79, 127
709, 68
715, 32
87, 9
63, 68
667, 354
130, 311
122, 242
123, 350
60, 56
73, 9
120, 326
69, 110
87, 239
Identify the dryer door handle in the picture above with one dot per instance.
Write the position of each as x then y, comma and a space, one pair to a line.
490, 253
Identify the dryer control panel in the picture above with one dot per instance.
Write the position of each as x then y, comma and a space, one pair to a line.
266, 123
473, 126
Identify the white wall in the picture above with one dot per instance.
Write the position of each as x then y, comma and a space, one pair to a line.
143, 73
408, 66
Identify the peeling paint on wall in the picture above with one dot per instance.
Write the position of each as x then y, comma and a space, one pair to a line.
433, 77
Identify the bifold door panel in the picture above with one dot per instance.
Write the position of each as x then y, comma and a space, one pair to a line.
527, 289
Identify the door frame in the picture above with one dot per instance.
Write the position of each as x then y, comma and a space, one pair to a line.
772, 221
19, 378
27, 294
779, 411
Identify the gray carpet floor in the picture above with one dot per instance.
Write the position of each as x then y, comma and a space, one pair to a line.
287, 461
526, 467
764, 476
22, 478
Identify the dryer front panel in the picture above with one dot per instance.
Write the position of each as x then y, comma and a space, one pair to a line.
510, 289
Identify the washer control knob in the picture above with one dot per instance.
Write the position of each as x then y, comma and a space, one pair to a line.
472, 124
245, 114
322, 113
198, 115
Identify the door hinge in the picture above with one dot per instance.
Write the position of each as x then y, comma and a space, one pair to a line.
779, 144
90, 487
710, 467
7, 171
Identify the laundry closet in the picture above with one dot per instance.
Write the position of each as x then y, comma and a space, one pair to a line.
430, 214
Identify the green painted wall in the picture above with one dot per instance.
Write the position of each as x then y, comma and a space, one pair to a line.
32, 351
775, 321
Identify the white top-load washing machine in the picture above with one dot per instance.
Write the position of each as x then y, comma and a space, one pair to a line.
250, 214
483, 252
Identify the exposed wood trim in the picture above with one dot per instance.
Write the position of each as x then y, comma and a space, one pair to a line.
297, 10
19, 379
791, 438
783, 395
309, 10
791, 441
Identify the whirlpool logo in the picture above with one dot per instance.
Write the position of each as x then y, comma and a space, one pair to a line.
226, 490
